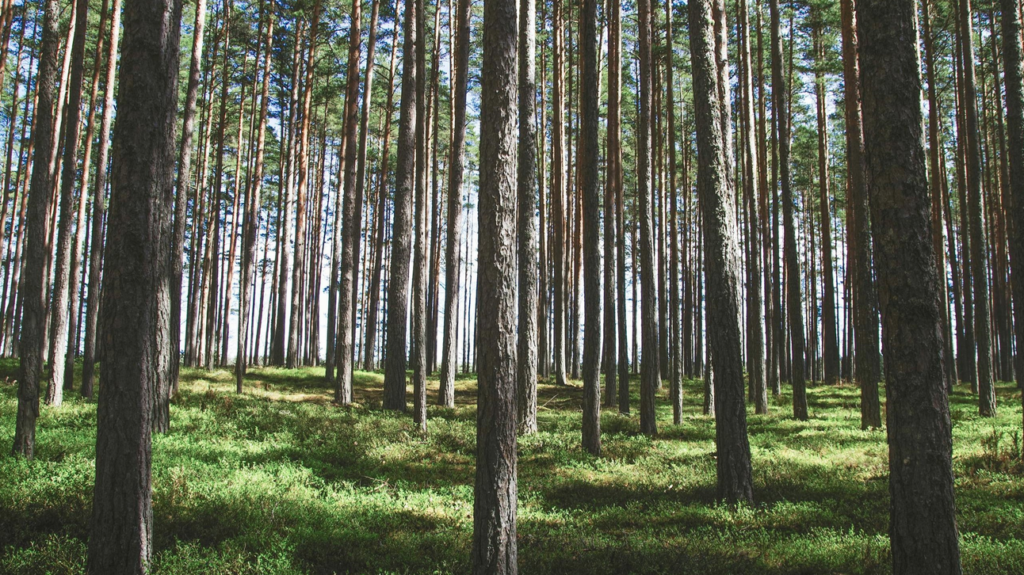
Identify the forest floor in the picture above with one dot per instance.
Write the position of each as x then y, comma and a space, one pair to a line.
278, 480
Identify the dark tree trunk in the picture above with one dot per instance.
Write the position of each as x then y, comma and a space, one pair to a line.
589, 91
865, 310
978, 239
752, 193
63, 280
650, 378
33, 289
96, 240
1014, 78
136, 311
613, 182
252, 209
618, 227
923, 528
449, 353
418, 353
722, 262
793, 288
495, 493
558, 192
527, 200
351, 218
829, 333
401, 237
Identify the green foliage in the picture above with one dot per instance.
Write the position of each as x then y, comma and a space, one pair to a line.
281, 481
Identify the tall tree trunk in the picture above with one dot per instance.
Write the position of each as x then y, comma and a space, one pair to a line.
136, 318
617, 227
40, 199
650, 370
494, 504
418, 339
558, 191
351, 219
829, 333
527, 205
721, 248
865, 311
381, 215
923, 528
96, 240
62, 281
80, 230
979, 245
793, 289
937, 179
613, 182
753, 193
401, 237
299, 272
589, 111
254, 190
449, 354
1014, 78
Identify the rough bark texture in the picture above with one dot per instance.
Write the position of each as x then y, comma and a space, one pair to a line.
613, 183
351, 220
721, 261
33, 287
99, 209
184, 188
794, 298
590, 189
558, 193
136, 312
755, 331
62, 265
650, 373
923, 528
617, 226
527, 370
450, 353
494, 504
829, 334
1014, 78
401, 237
252, 211
418, 354
978, 244
865, 304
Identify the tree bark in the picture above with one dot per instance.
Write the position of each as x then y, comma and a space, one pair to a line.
401, 237
923, 526
793, 288
722, 263
351, 219
136, 312
494, 505
865, 311
1014, 79
252, 209
33, 287
589, 188
650, 370
527, 205
979, 244
69, 168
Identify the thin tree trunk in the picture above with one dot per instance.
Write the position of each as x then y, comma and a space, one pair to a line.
62, 278
979, 245
401, 247
40, 199
527, 205
793, 289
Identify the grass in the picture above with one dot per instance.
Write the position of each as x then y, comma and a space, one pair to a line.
280, 481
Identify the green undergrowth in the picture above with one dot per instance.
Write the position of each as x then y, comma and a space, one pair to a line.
279, 480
